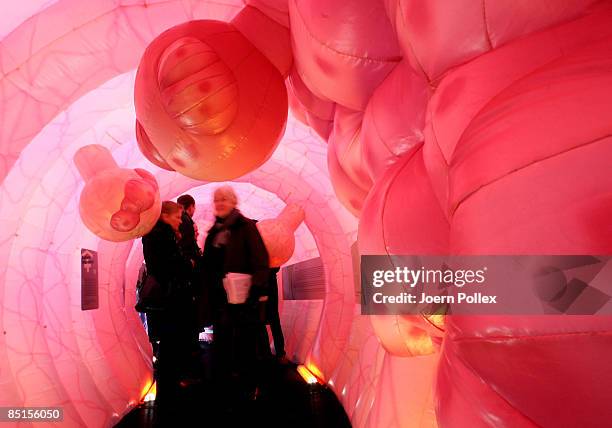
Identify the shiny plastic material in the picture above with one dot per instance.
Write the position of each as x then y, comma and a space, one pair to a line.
277, 234
310, 109
345, 49
117, 204
269, 37
212, 105
385, 137
437, 36
464, 127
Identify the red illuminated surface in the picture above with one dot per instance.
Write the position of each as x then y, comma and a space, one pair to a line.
415, 128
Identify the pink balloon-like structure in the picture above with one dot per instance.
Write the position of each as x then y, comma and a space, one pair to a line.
278, 234
466, 127
209, 104
116, 204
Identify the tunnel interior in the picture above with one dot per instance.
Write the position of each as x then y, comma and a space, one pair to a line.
472, 128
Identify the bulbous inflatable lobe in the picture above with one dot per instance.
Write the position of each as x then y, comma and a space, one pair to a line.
278, 234
148, 149
198, 90
524, 134
212, 106
270, 37
435, 36
402, 216
116, 204
308, 108
346, 165
345, 48
386, 137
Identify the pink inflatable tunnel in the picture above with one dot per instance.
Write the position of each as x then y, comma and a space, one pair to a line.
399, 127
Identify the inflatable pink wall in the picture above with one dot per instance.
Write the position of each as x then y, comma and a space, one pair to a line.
467, 127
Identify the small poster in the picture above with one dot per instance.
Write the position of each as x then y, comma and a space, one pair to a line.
89, 279
304, 280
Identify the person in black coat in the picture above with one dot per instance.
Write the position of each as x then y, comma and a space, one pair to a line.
187, 241
234, 245
172, 271
273, 318
189, 246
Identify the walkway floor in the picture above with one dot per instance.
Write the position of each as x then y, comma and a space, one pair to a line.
286, 400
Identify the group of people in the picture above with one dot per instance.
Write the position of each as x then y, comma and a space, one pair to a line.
194, 297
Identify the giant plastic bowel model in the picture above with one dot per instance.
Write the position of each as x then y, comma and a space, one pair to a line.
541, 131
503, 131
465, 127
116, 204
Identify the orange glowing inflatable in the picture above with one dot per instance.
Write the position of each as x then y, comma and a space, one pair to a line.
212, 106
117, 204
277, 234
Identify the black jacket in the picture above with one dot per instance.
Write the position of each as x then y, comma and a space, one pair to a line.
272, 302
188, 243
165, 261
244, 252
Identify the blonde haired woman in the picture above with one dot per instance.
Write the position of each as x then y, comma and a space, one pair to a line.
233, 245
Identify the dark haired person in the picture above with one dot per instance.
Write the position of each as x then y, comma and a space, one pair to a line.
171, 322
273, 318
189, 246
188, 241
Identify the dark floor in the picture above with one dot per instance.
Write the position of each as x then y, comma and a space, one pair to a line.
285, 400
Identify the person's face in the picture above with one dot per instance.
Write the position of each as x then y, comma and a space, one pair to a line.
224, 204
173, 219
190, 210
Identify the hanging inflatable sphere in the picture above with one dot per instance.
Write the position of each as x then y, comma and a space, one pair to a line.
148, 149
117, 204
278, 234
209, 104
